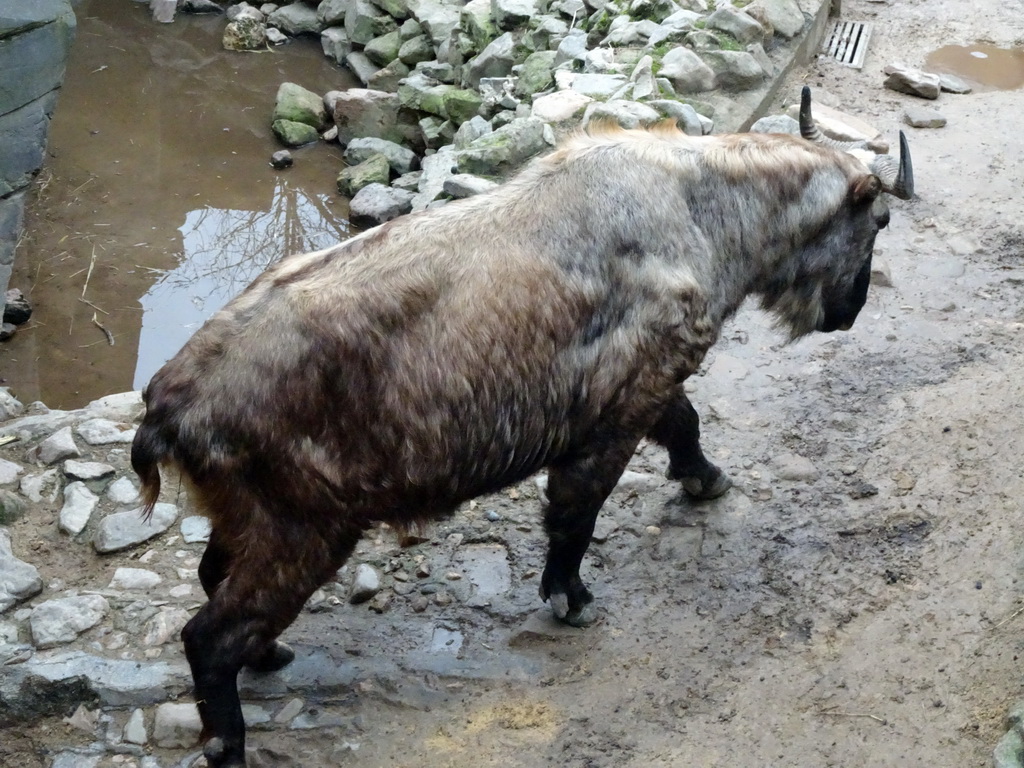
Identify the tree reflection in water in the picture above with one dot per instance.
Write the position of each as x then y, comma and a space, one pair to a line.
223, 251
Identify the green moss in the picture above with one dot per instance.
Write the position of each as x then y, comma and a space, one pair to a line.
728, 42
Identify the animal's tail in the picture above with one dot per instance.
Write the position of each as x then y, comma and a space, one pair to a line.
149, 449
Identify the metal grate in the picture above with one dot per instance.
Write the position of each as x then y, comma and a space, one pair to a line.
847, 43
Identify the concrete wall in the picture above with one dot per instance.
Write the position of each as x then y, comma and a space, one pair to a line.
35, 37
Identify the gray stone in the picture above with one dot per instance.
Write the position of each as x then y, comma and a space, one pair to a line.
642, 78
244, 34
199, 6
573, 47
163, 10
87, 470
18, 580
122, 530
360, 112
122, 491
881, 274
76, 759
598, 86
631, 34
436, 132
59, 621
361, 66
478, 22
953, 84
335, 44
437, 18
296, 19
79, 503
244, 10
437, 169
397, 9
165, 626
470, 131
686, 117
58, 446
276, 37
17, 309
912, 81
300, 105
545, 33
495, 60
12, 507
135, 729
387, 78
134, 579
9, 472
627, 114
1009, 751
384, 49
795, 468
687, 72
776, 124
104, 432
196, 529
511, 14
735, 70
10, 406
372, 169
410, 182
559, 106
376, 204
785, 16
415, 50
505, 149
283, 158
402, 159
331, 12
922, 117
41, 487
176, 725
536, 74
21, 134
466, 185
365, 584
365, 21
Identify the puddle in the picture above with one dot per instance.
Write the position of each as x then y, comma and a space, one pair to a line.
157, 203
987, 66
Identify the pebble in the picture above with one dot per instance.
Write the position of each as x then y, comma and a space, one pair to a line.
289, 711
920, 117
281, 159
365, 583
135, 729
122, 491
104, 432
176, 725
87, 470
9, 471
134, 578
122, 530
79, 503
60, 621
195, 529
58, 446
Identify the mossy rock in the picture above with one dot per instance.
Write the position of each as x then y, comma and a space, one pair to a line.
384, 49
12, 507
537, 74
299, 105
375, 169
461, 105
293, 134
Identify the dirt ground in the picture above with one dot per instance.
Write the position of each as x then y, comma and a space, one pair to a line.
869, 617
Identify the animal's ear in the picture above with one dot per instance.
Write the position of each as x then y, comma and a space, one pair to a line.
865, 189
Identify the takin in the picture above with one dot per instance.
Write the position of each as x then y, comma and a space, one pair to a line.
549, 323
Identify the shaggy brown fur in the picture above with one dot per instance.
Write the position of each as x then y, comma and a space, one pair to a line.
549, 323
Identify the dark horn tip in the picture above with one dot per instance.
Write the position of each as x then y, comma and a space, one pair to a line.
906, 167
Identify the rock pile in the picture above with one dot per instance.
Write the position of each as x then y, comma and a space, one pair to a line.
477, 88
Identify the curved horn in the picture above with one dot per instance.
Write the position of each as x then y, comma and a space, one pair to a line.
810, 131
897, 178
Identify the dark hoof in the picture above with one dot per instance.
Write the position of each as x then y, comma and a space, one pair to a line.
278, 657
218, 755
582, 616
710, 485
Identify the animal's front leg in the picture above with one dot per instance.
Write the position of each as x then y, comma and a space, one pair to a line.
678, 429
577, 487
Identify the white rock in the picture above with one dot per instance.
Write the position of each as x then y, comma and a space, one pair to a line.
62, 620
365, 583
104, 432
9, 471
795, 468
87, 470
122, 491
79, 503
177, 725
558, 106
126, 529
195, 528
41, 487
18, 580
60, 445
165, 626
289, 710
135, 729
134, 578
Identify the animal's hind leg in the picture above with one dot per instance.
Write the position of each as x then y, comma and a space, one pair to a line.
265, 588
213, 569
577, 488
678, 429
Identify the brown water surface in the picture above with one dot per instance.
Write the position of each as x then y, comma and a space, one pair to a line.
157, 203
987, 66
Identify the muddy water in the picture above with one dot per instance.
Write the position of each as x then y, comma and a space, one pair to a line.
987, 66
157, 202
